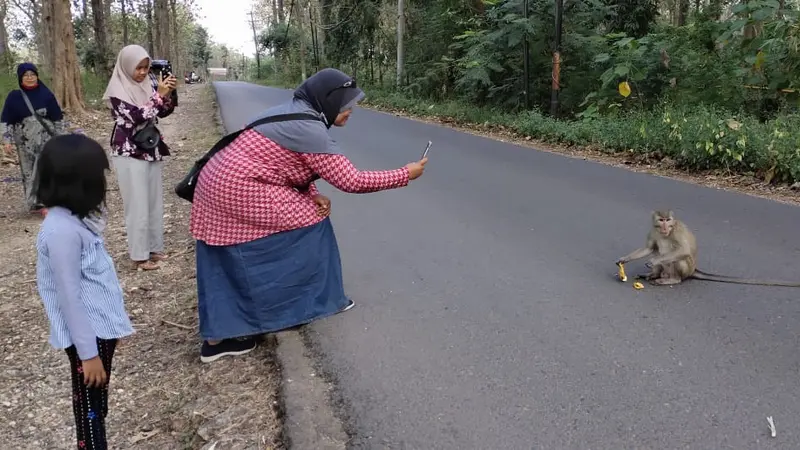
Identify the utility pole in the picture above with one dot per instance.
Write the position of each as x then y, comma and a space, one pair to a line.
557, 60
255, 42
527, 58
401, 22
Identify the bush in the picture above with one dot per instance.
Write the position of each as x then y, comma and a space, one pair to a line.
696, 138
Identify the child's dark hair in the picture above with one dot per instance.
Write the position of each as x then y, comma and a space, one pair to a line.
71, 174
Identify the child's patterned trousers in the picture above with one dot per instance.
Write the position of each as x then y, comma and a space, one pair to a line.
90, 404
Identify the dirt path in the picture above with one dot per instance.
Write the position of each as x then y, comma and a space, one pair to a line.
162, 396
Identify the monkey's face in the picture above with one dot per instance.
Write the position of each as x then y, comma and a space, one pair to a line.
664, 222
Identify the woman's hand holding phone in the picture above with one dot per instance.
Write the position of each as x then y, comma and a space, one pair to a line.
415, 169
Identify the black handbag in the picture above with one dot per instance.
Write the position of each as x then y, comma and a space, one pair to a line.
148, 137
185, 188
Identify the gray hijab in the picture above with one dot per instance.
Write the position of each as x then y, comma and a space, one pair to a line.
324, 94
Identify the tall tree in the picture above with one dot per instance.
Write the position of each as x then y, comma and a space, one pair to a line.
162, 28
123, 6
147, 8
5, 51
300, 15
101, 38
32, 10
67, 85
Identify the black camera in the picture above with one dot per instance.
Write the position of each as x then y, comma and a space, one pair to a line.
161, 67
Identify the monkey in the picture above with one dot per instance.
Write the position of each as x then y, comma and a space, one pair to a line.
675, 260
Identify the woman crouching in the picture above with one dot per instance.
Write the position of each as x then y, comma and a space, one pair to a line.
267, 257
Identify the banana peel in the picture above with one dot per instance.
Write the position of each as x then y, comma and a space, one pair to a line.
623, 278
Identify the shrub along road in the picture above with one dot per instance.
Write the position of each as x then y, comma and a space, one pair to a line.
487, 314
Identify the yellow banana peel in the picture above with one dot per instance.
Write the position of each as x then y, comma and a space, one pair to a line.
638, 285
622, 276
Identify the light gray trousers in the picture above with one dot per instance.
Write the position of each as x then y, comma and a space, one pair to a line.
142, 190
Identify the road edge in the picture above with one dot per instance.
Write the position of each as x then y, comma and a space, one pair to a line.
308, 420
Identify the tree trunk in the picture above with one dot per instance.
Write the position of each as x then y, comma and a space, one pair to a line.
6, 61
44, 41
281, 16
66, 83
320, 32
401, 19
124, 12
106, 4
151, 40
175, 48
161, 24
101, 38
299, 14
682, 12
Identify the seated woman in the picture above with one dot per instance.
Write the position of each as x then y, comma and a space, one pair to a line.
267, 257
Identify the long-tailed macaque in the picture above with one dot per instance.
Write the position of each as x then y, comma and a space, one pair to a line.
675, 260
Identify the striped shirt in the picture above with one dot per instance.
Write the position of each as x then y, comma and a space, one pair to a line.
78, 285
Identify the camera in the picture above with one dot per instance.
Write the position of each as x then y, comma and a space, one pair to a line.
161, 67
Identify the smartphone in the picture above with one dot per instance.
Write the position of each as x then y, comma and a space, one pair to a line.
425, 153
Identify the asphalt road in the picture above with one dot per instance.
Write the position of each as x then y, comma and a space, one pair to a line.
488, 317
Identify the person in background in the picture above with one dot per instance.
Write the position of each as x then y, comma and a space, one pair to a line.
22, 129
135, 106
76, 278
267, 257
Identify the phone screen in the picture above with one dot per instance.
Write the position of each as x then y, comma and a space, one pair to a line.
428, 147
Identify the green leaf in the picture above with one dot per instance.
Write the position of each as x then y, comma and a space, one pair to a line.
602, 57
623, 42
621, 70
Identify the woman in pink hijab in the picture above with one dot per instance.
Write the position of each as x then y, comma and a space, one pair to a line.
137, 150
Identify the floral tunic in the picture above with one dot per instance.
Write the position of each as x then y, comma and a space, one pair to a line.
129, 119
254, 188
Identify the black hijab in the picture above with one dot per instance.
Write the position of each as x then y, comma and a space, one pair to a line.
329, 92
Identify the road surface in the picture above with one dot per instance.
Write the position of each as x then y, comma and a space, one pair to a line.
488, 317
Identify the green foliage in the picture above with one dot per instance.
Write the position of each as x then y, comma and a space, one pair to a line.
696, 138
200, 50
710, 94
631, 17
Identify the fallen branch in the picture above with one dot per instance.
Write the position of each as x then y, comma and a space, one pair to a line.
8, 274
177, 325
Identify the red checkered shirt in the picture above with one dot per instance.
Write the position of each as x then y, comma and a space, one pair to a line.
247, 191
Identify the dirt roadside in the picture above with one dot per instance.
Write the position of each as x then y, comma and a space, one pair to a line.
162, 397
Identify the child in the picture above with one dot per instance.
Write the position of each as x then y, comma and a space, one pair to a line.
76, 277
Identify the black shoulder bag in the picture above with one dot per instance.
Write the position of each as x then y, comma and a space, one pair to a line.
185, 188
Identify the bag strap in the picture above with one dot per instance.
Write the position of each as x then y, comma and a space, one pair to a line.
37, 116
281, 118
227, 139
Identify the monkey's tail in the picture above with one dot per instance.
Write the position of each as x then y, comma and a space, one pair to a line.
700, 275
